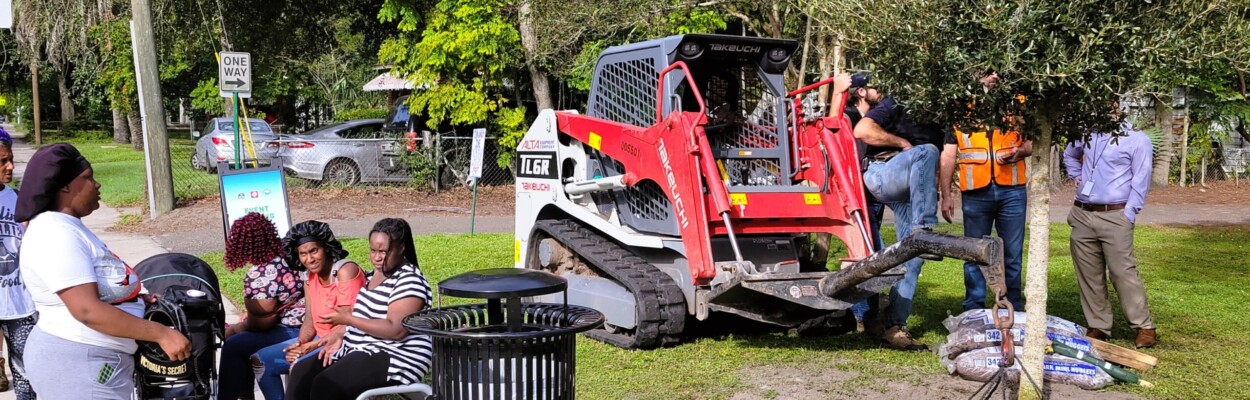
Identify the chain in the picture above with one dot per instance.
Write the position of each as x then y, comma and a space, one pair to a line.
1004, 324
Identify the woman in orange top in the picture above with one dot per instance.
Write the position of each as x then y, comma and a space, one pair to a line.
332, 283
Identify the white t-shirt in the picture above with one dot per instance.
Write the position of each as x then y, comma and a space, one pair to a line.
59, 252
15, 300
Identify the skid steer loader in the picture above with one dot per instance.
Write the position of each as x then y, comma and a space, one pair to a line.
690, 186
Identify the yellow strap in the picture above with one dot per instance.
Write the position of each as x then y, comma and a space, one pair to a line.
247, 133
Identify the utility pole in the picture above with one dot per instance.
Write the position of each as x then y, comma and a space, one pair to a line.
156, 141
34, 101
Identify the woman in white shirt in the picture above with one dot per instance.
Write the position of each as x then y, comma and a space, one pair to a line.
90, 311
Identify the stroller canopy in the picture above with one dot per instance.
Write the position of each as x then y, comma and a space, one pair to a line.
161, 271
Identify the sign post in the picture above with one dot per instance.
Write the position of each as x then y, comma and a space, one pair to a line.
234, 80
475, 170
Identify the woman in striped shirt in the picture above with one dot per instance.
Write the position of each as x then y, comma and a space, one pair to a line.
376, 349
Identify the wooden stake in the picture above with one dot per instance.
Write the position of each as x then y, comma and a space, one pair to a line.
1124, 356
34, 97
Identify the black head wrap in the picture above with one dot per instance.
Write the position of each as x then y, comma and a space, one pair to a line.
50, 169
311, 231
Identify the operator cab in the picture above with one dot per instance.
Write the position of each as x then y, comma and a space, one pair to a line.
742, 84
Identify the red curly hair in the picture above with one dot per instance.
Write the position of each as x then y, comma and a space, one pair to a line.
253, 240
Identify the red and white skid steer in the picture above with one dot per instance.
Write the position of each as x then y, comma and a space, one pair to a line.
690, 186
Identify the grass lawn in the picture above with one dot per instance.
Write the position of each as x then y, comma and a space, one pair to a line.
121, 172
1196, 278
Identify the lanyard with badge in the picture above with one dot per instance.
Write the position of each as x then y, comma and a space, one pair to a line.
1087, 183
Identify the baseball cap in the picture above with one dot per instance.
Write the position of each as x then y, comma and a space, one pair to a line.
860, 79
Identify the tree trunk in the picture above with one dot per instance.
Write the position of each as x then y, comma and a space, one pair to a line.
136, 127
1035, 289
529, 40
67, 98
34, 97
121, 133
1165, 150
807, 43
826, 69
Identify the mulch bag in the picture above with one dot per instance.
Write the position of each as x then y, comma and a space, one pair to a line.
974, 329
981, 365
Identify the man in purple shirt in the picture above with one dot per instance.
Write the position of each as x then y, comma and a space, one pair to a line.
1112, 175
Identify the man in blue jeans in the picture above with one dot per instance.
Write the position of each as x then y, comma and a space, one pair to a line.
992, 181
902, 175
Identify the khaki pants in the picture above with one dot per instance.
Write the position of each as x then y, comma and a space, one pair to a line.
1102, 243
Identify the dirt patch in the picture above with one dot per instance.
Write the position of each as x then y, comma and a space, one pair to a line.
336, 203
1214, 193
885, 383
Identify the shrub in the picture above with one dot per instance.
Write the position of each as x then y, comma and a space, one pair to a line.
360, 113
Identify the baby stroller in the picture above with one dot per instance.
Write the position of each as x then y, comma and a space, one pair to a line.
190, 301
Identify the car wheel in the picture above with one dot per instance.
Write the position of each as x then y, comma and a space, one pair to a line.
196, 160
342, 172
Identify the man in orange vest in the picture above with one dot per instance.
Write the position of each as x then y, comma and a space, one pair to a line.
992, 178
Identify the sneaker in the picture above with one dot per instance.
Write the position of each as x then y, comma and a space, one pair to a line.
897, 338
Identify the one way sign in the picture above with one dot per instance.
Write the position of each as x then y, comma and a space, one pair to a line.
234, 74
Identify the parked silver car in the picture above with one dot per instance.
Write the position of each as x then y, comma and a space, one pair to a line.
345, 153
216, 143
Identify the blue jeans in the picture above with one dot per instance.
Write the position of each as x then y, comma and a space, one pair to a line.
915, 208
876, 211
235, 376
274, 359
1003, 209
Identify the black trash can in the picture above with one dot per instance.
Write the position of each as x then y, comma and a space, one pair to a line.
506, 348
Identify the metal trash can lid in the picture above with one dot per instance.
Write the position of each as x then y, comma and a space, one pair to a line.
500, 283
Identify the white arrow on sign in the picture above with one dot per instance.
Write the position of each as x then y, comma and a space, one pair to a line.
234, 74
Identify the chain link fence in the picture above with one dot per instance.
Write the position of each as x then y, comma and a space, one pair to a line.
1216, 164
434, 161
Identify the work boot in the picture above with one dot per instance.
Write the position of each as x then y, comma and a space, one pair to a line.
4, 376
1146, 338
896, 337
1097, 334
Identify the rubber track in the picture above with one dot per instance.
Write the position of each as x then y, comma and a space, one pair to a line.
661, 309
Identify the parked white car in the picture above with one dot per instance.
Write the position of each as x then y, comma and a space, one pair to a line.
216, 143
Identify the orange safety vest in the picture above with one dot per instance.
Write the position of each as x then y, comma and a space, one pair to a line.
978, 159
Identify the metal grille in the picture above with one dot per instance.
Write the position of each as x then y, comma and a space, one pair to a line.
743, 117
626, 93
753, 171
647, 201
742, 101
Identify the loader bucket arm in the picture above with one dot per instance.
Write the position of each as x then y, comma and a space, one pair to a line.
987, 251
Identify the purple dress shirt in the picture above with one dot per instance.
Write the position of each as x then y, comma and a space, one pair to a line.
1119, 169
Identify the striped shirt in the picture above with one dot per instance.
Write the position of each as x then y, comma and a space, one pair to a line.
410, 357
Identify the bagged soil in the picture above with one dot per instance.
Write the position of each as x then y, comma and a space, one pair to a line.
981, 365
974, 329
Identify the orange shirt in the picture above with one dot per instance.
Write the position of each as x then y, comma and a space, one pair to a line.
322, 298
